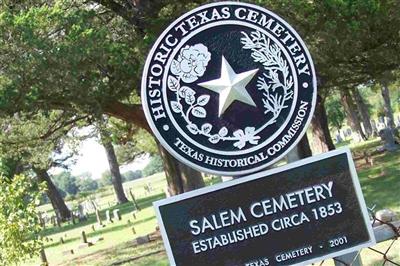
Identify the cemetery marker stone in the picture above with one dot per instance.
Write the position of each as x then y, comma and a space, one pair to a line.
98, 218
229, 88
108, 217
117, 215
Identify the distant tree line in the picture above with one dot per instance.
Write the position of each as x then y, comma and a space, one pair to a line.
106, 178
70, 186
154, 166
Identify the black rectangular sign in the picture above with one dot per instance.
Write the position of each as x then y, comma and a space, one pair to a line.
300, 213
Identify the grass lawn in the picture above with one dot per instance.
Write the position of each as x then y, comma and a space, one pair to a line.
380, 184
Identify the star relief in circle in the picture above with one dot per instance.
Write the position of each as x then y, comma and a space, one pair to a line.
230, 86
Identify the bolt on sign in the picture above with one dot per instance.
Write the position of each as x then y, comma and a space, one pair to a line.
229, 88
301, 213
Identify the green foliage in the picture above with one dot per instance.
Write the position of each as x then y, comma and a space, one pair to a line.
154, 166
7, 167
395, 96
19, 223
70, 186
130, 141
138, 144
335, 112
106, 179
372, 93
24, 145
67, 53
86, 184
66, 182
132, 175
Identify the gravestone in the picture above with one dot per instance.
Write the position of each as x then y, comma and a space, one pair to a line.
108, 217
381, 123
117, 215
42, 221
81, 213
385, 216
73, 218
338, 138
148, 187
374, 128
84, 243
98, 218
95, 206
83, 237
387, 136
135, 204
349, 132
68, 252
142, 240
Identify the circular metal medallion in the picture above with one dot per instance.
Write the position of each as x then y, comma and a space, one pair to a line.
229, 88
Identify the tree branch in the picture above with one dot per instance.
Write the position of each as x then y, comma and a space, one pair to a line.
52, 130
129, 113
61, 161
131, 14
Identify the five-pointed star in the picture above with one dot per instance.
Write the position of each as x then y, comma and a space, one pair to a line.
230, 86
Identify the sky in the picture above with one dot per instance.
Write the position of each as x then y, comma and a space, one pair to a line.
93, 159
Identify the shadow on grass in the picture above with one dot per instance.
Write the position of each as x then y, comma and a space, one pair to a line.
66, 227
127, 253
124, 209
342, 144
102, 231
380, 183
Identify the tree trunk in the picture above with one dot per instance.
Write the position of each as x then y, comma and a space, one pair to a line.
56, 200
300, 151
171, 170
387, 105
180, 178
114, 169
191, 179
351, 113
303, 148
322, 140
363, 111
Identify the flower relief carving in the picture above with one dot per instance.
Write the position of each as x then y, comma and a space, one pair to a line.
275, 83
